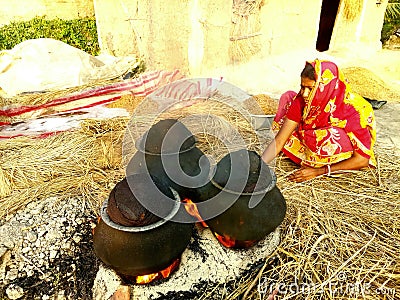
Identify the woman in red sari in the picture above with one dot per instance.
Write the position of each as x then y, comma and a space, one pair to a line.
325, 127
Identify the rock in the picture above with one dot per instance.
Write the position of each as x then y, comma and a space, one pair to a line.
26, 250
77, 238
8, 243
53, 254
53, 235
12, 274
105, 284
3, 251
14, 291
31, 236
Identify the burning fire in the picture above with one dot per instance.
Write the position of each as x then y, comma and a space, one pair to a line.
144, 279
191, 208
230, 242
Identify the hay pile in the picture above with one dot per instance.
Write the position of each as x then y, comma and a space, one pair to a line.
368, 84
83, 163
268, 105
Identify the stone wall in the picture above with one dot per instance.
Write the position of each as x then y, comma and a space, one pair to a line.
180, 34
23, 10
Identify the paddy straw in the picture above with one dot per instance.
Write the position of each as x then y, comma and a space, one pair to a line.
220, 125
83, 163
368, 84
245, 30
352, 9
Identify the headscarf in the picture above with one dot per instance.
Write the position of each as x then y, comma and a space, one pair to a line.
332, 102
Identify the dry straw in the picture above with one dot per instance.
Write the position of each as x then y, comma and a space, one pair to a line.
368, 84
88, 162
220, 124
78, 163
245, 30
340, 238
352, 8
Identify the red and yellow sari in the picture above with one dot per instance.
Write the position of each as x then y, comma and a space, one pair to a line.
333, 121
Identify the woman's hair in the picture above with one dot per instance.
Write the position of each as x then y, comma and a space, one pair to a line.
308, 72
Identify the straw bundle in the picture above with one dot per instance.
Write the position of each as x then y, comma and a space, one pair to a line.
352, 9
340, 237
245, 30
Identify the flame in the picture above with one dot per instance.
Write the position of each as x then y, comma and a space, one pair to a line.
191, 208
168, 270
146, 278
161, 274
225, 240
230, 242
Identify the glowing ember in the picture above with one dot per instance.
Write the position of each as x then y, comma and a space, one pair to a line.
147, 278
144, 279
230, 242
191, 209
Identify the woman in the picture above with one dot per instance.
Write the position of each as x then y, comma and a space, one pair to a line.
325, 127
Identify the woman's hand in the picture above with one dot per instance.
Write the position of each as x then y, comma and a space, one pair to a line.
306, 173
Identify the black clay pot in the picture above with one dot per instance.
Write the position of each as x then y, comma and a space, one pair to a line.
141, 250
243, 204
166, 136
172, 156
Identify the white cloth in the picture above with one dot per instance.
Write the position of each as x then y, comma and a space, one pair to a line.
48, 64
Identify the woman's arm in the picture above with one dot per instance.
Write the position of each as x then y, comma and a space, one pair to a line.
355, 162
279, 141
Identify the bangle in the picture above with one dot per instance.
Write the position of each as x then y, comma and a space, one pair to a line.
328, 173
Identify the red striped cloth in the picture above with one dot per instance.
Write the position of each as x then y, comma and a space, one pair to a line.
144, 85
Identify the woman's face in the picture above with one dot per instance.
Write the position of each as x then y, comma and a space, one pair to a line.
306, 86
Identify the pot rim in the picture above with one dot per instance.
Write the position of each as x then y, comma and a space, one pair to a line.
138, 146
263, 191
104, 216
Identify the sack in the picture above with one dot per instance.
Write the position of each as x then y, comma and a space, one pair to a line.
47, 64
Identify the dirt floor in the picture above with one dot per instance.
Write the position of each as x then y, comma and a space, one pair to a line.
388, 124
385, 65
